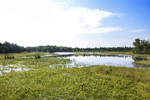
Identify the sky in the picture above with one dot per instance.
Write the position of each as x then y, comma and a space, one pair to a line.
74, 23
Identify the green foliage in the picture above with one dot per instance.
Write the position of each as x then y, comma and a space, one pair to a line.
141, 46
7, 47
69, 49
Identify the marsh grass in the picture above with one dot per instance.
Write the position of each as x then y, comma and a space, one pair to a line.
19, 63
87, 83
143, 62
127, 53
34, 63
25, 54
84, 53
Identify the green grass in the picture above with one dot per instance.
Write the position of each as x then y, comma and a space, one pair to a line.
25, 54
117, 53
34, 63
29, 63
86, 53
88, 83
143, 62
105, 53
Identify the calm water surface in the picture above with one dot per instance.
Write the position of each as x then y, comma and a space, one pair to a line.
116, 60
126, 61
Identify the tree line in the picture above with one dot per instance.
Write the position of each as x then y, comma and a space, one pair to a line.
7, 47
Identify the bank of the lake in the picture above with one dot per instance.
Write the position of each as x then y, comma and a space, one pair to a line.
137, 62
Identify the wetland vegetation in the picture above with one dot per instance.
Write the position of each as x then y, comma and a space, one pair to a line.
43, 75
86, 83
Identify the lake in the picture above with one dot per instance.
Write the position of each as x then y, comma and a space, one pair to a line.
92, 60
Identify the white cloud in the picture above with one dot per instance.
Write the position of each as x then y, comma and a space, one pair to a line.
35, 22
103, 30
137, 30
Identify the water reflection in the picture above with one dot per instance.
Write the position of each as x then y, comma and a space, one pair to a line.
120, 60
10, 68
102, 60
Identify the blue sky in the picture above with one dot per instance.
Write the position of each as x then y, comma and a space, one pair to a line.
75, 23
134, 16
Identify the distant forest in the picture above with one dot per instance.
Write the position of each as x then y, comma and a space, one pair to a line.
7, 47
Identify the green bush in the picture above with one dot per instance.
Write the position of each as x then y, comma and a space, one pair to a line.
9, 57
37, 56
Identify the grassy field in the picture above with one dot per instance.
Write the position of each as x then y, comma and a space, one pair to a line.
88, 83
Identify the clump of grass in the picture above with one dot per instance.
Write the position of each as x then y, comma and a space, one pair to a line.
9, 57
37, 56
